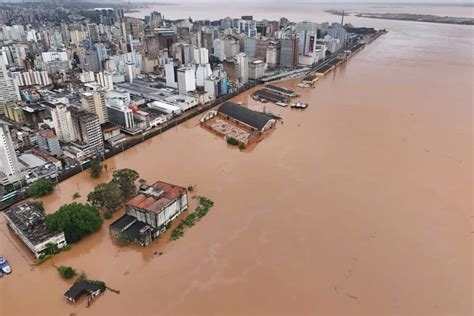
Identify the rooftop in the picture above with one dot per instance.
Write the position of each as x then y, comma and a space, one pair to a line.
30, 221
249, 117
155, 197
84, 286
47, 133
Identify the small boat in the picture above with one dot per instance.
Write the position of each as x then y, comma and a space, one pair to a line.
4, 266
283, 104
299, 105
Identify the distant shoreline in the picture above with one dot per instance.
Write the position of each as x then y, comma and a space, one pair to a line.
418, 18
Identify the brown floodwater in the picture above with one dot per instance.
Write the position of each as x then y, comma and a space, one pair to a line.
359, 205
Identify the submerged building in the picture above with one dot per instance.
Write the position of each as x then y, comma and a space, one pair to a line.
149, 212
27, 221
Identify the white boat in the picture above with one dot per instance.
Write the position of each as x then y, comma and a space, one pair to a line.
4, 266
283, 104
299, 105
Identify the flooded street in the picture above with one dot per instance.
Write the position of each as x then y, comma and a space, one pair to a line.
359, 205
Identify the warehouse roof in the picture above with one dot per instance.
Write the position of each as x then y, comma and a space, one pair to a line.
249, 117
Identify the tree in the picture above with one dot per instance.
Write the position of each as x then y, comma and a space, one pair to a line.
41, 187
66, 272
126, 178
95, 168
76, 220
106, 196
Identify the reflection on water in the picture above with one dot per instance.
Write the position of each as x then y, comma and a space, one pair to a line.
358, 205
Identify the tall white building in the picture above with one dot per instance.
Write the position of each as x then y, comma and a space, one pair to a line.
242, 67
32, 78
10, 170
201, 56
94, 102
8, 88
186, 80
62, 123
105, 79
171, 74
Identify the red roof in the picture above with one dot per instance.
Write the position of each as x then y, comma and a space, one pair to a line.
155, 204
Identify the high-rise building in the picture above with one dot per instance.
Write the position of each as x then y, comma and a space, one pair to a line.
257, 69
105, 79
273, 54
337, 31
63, 123
307, 34
171, 73
242, 67
186, 80
32, 78
218, 48
10, 170
122, 115
289, 52
9, 90
94, 102
87, 130
48, 142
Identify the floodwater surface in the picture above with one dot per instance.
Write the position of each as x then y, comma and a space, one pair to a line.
359, 205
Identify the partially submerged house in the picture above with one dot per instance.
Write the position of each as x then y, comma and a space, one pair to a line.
91, 288
149, 212
27, 221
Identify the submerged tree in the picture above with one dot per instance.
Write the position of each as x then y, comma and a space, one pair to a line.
95, 169
41, 187
126, 178
106, 196
76, 220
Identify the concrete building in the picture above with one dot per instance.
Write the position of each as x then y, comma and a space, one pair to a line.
105, 79
273, 54
218, 48
242, 68
257, 69
337, 31
48, 142
307, 34
289, 52
10, 170
9, 89
248, 27
14, 112
87, 130
94, 102
121, 115
63, 123
186, 80
28, 223
149, 212
32, 78
171, 74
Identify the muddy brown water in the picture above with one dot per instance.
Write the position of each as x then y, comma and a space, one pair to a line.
359, 205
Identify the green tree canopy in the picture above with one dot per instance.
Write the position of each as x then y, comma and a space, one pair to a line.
126, 178
106, 196
76, 220
41, 187
95, 168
